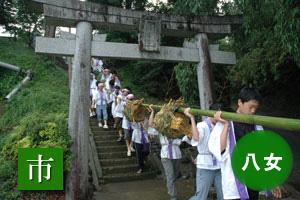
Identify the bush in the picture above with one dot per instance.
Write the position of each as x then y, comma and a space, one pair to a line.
35, 117
39, 130
186, 76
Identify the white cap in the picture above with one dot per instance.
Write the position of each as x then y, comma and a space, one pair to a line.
130, 96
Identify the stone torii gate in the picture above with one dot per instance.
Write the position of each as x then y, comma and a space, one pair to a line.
85, 16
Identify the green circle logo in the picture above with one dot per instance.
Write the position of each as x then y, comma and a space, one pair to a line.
262, 160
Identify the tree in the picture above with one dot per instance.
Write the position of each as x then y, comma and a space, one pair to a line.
5, 10
19, 20
267, 44
128, 4
195, 7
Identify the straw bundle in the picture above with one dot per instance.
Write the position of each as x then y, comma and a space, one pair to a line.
171, 123
180, 125
135, 111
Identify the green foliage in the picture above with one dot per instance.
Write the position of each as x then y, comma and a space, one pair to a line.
287, 29
9, 80
47, 92
149, 79
267, 43
186, 76
195, 7
117, 3
36, 116
39, 130
7, 169
19, 19
8, 187
5, 10
8, 180
135, 4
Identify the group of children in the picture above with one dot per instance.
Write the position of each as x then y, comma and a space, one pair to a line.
102, 95
214, 138
109, 100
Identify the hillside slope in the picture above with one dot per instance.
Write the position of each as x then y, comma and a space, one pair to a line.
35, 117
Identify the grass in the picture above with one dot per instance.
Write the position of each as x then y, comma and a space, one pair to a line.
47, 92
46, 96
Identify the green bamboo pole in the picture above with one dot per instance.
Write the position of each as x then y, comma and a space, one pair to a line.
272, 122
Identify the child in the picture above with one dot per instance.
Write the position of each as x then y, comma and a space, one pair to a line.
141, 142
110, 92
115, 78
93, 90
113, 97
126, 125
100, 100
223, 139
208, 168
170, 156
118, 111
106, 77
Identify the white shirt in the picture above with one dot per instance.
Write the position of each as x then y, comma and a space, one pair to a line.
125, 123
119, 108
139, 131
101, 97
169, 147
97, 65
117, 82
113, 99
205, 159
93, 86
106, 80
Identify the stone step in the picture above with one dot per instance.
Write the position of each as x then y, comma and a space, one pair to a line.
133, 176
104, 133
100, 143
110, 155
96, 128
103, 130
95, 122
110, 142
115, 148
118, 161
106, 137
119, 169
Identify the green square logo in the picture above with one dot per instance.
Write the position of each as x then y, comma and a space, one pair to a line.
40, 169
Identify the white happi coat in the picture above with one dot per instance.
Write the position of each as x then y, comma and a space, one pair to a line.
229, 186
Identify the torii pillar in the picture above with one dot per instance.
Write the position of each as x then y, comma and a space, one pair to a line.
204, 73
77, 179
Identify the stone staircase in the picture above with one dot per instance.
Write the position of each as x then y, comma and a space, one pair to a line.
116, 166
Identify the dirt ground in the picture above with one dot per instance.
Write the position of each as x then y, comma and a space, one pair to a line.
154, 189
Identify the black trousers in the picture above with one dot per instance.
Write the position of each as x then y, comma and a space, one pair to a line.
109, 114
253, 195
141, 156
